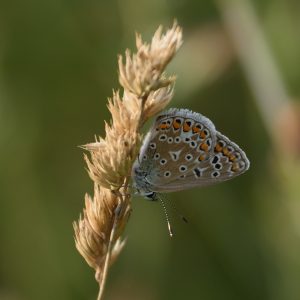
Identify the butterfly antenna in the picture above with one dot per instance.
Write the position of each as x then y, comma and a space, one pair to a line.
167, 216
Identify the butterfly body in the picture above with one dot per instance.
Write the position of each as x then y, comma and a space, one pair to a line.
183, 150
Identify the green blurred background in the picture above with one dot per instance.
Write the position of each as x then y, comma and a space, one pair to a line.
58, 65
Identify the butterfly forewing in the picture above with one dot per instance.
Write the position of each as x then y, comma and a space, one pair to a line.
177, 142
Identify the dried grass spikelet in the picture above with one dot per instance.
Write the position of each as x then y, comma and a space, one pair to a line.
142, 72
95, 227
146, 92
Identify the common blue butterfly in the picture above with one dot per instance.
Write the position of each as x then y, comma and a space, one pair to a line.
183, 150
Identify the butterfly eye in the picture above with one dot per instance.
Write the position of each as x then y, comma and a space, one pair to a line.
137, 171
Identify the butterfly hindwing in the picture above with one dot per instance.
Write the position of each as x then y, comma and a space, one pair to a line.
224, 164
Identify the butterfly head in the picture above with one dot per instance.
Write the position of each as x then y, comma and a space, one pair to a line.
141, 184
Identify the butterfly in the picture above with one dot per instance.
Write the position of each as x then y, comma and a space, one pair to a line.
183, 150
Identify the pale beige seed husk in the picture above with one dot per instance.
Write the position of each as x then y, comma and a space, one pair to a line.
95, 227
141, 72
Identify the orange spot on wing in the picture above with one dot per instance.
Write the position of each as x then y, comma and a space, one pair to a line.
202, 134
235, 167
225, 151
186, 127
218, 148
204, 147
164, 126
232, 157
176, 125
201, 157
196, 129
